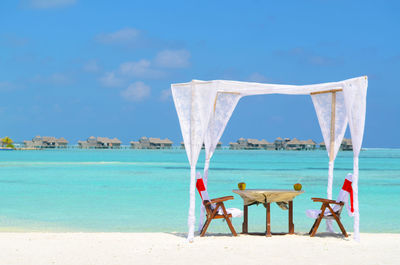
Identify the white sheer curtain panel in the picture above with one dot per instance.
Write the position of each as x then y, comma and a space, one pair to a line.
356, 106
323, 107
224, 105
194, 107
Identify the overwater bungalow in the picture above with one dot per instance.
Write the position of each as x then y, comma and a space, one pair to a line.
308, 145
346, 145
233, 146
152, 143
46, 142
279, 144
294, 144
252, 144
239, 145
157, 143
135, 145
100, 143
322, 146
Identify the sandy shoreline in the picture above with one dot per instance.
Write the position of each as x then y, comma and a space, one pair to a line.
164, 248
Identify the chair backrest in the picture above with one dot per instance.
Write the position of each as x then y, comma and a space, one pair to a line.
201, 188
209, 207
344, 194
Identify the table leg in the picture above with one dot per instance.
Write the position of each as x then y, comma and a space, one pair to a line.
291, 224
245, 220
268, 206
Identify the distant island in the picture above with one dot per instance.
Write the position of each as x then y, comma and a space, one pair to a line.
45, 142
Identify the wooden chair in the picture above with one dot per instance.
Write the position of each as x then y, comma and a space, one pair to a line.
212, 208
333, 215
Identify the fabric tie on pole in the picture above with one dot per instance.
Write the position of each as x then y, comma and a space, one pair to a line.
347, 187
201, 188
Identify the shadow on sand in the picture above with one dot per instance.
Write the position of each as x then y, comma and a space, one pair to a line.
318, 235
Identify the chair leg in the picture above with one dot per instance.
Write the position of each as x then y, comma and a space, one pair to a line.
313, 226
338, 222
341, 227
204, 229
209, 219
228, 221
318, 221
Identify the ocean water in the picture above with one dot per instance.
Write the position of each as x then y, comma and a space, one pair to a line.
148, 190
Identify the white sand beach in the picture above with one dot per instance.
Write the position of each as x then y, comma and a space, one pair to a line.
164, 248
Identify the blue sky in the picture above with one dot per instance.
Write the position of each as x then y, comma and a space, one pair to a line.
77, 68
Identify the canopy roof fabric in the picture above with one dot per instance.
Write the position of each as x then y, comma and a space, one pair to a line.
205, 107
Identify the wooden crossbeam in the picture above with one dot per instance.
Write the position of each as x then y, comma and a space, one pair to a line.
326, 91
223, 92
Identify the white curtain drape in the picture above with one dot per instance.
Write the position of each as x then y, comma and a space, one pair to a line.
323, 108
355, 100
224, 105
194, 107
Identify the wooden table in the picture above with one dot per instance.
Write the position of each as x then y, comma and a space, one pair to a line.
266, 196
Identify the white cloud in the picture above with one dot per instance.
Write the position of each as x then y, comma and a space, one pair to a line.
58, 79
123, 36
6, 86
173, 58
110, 79
306, 56
165, 94
142, 69
54, 79
43, 4
259, 78
91, 66
136, 92
128, 70
13, 40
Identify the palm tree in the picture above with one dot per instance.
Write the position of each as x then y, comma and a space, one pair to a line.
6, 141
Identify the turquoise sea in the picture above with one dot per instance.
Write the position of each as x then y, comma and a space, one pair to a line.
148, 190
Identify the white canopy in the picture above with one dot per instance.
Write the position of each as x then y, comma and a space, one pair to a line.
205, 107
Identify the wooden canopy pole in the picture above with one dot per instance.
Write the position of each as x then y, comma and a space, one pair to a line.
326, 91
333, 121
